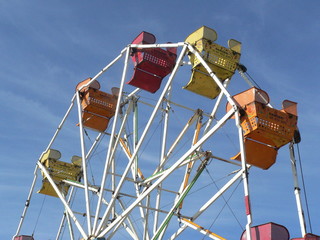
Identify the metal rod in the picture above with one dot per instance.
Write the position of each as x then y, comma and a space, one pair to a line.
111, 142
163, 177
103, 70
62, 198
191, 164
141, 139
24, 212
206, 232
129, 221
146, 219
184, 193
65, 214
162, 45
70, 226
159, 174
84, 164
297, 191
26, 206
135, 138
209, 202
216, 106
162, 156
244, 176
214, 77
175, 143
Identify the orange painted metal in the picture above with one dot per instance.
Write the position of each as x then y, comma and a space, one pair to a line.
258, 154
268, 125
265, 129
98, 107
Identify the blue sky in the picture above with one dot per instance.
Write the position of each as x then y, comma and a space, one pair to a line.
48, 47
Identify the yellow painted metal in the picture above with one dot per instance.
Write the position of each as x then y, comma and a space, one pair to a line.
202, 83
234, 45
202, 33
51, 154
190, 164
201, 229
222, 61
58, 171
76, 160
125, 147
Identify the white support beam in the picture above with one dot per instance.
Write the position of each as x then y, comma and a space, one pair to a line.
122, 217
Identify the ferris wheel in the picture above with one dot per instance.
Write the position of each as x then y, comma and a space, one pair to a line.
152, 148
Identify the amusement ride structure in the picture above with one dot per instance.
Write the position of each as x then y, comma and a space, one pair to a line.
140, 169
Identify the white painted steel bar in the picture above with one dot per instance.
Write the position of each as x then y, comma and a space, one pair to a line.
297, 191
216, 106
130, 229
175, 143
60, 125
165, 222
190, 165
24, 212
65, 214
146, 220
244, 175
106, 215
104, 69
70, 226
113, 183
162, 157
220, 123
95, 189
135, 236
63, 200
84, 164
111, 142
135, 137
159, 174
97, 139
72, 188
210, 202
135, 167
159, 45
27, 202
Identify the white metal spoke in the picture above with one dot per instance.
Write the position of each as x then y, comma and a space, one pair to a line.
149, 148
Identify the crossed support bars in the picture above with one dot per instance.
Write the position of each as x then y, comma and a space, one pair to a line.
97, 226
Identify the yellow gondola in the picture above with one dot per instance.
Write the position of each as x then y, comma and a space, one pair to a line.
59, 171
222, 61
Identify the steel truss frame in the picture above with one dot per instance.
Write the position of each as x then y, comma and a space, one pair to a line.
110, 212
